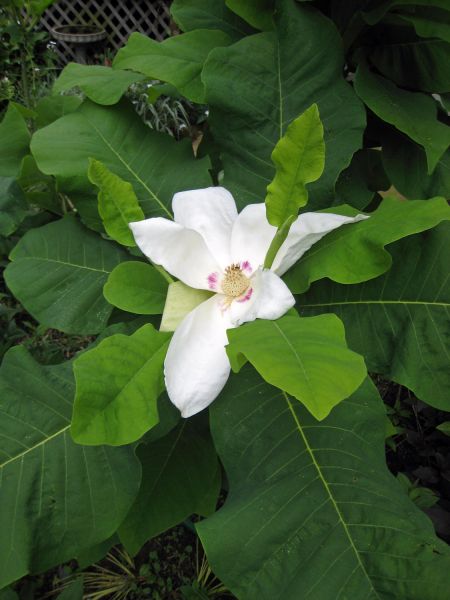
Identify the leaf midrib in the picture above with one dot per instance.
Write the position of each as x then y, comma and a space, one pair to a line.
128, 168
297, 356
330, 495
61, 262
32, 448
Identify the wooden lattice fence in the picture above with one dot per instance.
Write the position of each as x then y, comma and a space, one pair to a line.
119, 18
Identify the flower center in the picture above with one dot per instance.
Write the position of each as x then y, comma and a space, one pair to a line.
235, 283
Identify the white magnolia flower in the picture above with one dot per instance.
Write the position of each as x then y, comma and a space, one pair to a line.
210, 246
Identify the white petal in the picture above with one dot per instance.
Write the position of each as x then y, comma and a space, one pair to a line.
182, 252
211, 212
308, 229
251, 236
270, 299
196, 366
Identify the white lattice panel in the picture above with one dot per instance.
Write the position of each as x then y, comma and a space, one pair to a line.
119, 18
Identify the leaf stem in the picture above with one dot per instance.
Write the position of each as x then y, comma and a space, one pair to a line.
279, 238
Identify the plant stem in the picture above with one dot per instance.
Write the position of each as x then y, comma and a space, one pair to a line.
279, 238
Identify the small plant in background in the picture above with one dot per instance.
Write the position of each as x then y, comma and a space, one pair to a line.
170, 114
27, 61
205, 585
167, 568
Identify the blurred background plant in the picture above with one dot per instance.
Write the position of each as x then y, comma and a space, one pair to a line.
163, 109
27, 61
172, 566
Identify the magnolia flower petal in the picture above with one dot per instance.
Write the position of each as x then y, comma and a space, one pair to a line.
270, 299
211, 212
308, 229
251, 236
182, 252
196, 366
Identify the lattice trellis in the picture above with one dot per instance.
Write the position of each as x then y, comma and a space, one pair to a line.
118, 17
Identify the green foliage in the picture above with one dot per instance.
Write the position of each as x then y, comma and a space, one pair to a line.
307, 358
117, 203
412, 113
299, 158
256, 12
414, 182
13, 206
26, 62
356, 253
417, 64
429, 22
58, 272
359, 183
14, 142
137, 288
102, 85
271, 87
399, 321
208, 14
118, 384
178, 60
144, 161
422, 497
309, 508
50, 108
444, 427
180, 477
312, 510
46, 478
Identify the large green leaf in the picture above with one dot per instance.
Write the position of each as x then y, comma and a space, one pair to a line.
256, 12
178, 60
399, 321
117, 203
355, 253
180, 477
375, 11
136, 287
14, 142
118, 384
58, 272
312, 512
363, 178
412, 113
308, 358
429, 22
208, 14
100, 84
56, 497
299, 158
154, 163
415, 64
50, 108
406, 166
13, 206
258, 86
39, 189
